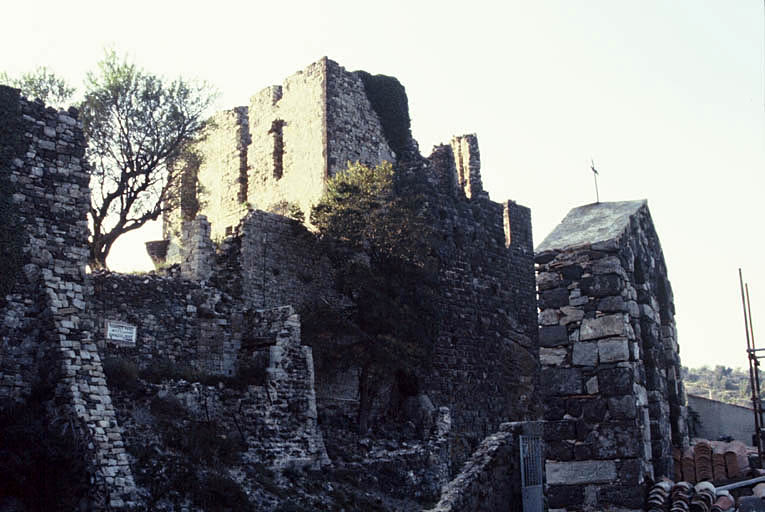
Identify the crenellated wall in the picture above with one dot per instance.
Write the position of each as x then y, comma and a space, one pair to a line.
486, 359
610, 376
46, 324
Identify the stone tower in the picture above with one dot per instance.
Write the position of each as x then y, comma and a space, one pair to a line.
277, 152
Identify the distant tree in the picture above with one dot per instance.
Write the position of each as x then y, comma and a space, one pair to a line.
41, 84
386, 268
136, 124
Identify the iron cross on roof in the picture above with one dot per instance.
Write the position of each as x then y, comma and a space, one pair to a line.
595, 175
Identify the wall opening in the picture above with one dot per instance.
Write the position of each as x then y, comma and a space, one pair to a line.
277, 130
506, 224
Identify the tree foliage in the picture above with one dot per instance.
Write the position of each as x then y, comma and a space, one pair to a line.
719, 383
136, 124
362, 209
42, 84
385, 267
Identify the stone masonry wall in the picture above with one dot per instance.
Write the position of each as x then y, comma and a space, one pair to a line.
279, 150
296, 110
215, 176
354, 131
614, 402
180, 321
198, 326
485, 363
282, 263
46, 323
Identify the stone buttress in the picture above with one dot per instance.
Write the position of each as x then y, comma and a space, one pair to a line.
46, 324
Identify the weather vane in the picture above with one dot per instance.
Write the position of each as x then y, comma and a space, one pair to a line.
595, 175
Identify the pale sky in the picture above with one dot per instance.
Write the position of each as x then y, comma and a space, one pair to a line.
665, 96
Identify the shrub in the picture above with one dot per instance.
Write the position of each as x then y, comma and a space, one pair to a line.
121, 373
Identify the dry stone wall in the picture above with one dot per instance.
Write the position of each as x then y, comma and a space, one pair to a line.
46, 324
614, 401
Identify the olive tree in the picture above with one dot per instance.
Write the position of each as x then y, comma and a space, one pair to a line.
135, 124
42, 84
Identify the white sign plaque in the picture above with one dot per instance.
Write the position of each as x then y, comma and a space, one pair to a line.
120, 331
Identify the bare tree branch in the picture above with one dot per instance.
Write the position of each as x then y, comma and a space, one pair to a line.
135, 123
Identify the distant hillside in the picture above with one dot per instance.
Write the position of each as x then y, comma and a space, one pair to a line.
721, 383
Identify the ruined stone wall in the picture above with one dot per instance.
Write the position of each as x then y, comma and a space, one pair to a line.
282, 263
276, 152
177, 320
490, 480
288, 155
354, 131
46, 327
484, 364
614, 402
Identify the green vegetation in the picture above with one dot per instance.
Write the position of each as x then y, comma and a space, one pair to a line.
721, 383
136, 125
288, 209
41, 84
382, 251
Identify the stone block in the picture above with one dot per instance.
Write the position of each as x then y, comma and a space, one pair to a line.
622, 407
585, 354
571, 314
627, 496
602, 285
552, 356
612, 304
561, 381
549, 317
553, 335
602, 327
580, 472
554, 298
613, 350
548, 280
594, 410
591, 386
565, 496
615, 381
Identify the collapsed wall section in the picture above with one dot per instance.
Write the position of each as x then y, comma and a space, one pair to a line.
45, 319
614, 402
212, 178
